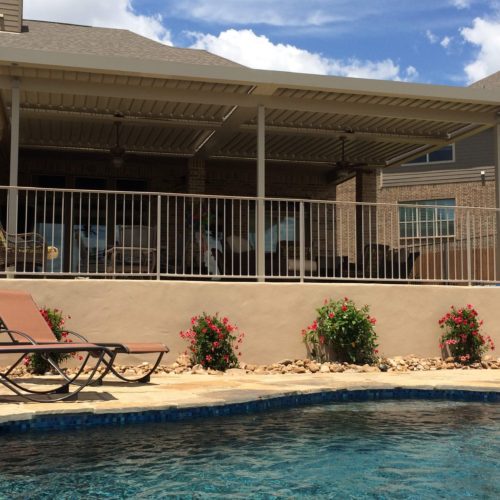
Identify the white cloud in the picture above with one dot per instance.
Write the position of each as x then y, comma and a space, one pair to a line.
445, 42
107, 13
275, 13
461, 4
411, 73
431, 37
484, 34
257, 51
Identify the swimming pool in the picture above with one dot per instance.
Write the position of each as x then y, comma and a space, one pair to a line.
388, 449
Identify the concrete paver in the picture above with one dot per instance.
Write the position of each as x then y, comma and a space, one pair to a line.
184, 391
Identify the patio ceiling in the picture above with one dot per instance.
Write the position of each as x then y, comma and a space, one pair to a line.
177, 109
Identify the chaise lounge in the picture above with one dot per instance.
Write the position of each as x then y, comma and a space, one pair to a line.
22, 318
23, 345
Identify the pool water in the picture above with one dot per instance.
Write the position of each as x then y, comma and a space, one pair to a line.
391, 449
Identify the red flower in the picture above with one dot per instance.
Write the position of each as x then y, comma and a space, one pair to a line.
344, 308
331, 315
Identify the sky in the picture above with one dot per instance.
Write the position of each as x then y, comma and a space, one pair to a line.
450, 42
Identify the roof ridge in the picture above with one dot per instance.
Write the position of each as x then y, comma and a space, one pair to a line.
74, 24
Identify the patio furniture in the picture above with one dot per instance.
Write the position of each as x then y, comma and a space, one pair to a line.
21, 314
403, 262
289, 253
333, 268
135, 251
89, 248
27, 249
26, 332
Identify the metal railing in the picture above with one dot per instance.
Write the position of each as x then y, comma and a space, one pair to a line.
112, 234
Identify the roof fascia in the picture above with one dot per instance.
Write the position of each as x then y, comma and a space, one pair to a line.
244, 76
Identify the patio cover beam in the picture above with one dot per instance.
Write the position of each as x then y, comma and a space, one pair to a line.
68, 87
369, 136
14, 158
233, 122
77, 116
150, 68
225, 132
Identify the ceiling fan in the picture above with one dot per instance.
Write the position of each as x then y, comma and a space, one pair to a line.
343, 168
117, 152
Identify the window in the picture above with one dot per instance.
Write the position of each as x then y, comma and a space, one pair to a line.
50, 181
137, 185
92, 183
443, 155
438, 219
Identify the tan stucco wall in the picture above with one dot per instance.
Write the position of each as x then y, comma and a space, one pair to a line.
271, 314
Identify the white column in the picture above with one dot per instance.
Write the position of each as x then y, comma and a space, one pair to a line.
14, 157
261, 191
496, 133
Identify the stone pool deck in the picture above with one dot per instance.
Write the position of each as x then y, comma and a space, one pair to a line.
177, 392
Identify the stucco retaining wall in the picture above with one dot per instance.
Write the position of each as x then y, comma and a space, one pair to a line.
271, 314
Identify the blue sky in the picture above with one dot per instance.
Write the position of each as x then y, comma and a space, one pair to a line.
451, 42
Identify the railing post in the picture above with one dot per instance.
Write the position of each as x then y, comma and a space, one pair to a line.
158, 237
302, 242
468, 243
261, 192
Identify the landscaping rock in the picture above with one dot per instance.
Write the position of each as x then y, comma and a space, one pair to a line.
313, 367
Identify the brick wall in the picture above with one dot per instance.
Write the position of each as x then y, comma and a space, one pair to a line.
470, 194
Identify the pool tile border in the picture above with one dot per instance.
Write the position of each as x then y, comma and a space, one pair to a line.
86, 419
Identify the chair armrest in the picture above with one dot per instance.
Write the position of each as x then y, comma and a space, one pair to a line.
75, 334
21, 334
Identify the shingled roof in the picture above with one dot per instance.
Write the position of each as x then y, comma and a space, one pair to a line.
76, 39
491, 82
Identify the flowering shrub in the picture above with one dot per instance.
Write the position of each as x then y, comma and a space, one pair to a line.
343, 330
462, 337
36, 363
214, 342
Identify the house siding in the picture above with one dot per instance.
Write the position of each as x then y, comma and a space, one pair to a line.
12, 11
472, 155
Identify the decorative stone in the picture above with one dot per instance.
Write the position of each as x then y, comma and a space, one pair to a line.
313, 367
183, 360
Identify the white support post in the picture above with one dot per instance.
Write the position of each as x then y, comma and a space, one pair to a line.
14, 158
496, 132
261, 192
302, 241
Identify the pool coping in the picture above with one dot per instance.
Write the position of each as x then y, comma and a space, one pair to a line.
75, 418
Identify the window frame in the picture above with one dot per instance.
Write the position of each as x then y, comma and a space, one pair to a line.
418, 222
433, 162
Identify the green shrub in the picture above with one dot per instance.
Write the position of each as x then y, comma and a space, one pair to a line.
36, 363
462, 336
343, 332
213, 342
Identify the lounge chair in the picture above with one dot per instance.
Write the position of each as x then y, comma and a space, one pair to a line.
135, 251
21, 343
27, 250
20, 313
